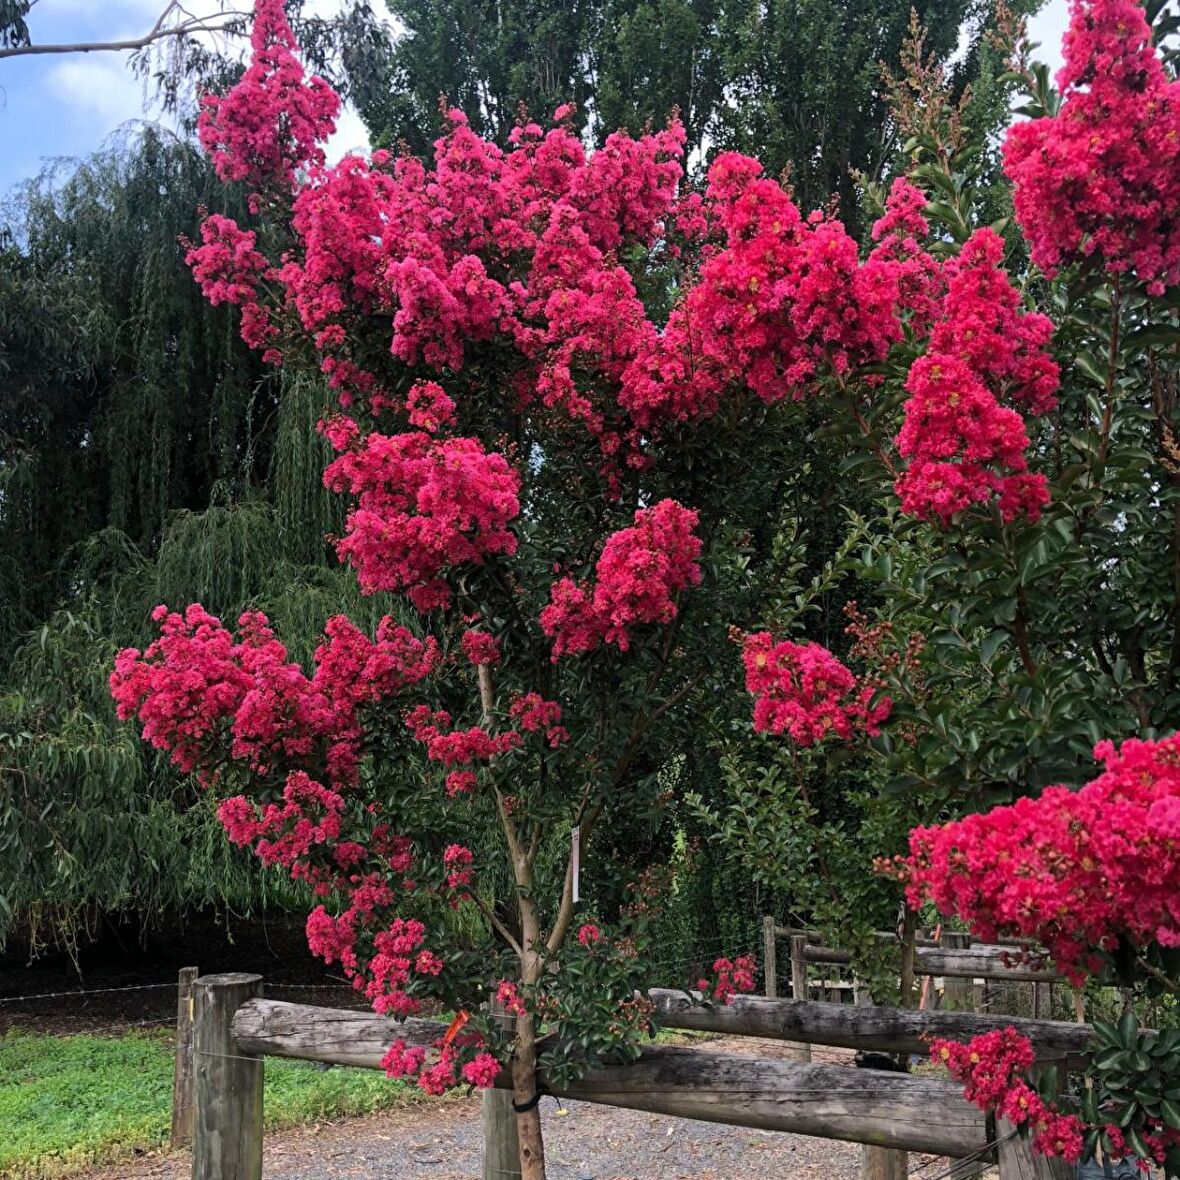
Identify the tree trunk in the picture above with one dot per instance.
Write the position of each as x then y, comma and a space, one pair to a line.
524, 1091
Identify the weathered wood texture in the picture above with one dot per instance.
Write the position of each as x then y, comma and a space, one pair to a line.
879, 1163
817, 939
985, 961
886, 1030
958, 992
1018, 1161
958, 995
801, 1051
769, 958
831, 1101
501, 1147
227, 1120
182, 1070
882, 1163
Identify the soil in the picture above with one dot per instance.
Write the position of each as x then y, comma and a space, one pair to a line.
582, 1142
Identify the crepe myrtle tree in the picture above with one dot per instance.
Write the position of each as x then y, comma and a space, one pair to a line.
564, 385
1068, 631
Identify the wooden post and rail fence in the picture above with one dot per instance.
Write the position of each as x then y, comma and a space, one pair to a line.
235, 1028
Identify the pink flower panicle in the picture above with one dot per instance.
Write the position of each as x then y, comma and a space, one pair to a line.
534, 714
637, 577
271, 123
197, 690
964, 447
1097, 180
588, 934
993, 1069
429, 408
479, 647
731, 978
423, 506
229, 269
1075, 871
457, 747
801, 689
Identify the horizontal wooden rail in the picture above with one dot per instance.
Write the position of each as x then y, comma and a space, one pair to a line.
817, 939
834, 1102
986, 962
885, 1030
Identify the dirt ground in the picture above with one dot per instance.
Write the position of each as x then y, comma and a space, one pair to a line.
586, 1143
582, 1142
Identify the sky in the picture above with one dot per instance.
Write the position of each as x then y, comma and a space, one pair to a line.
52, 106
67, 105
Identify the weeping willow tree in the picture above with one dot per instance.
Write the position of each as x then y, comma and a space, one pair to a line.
145, 457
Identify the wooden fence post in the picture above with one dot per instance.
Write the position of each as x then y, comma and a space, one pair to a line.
799, 985
958, 995
1042, 1001
227, 1118
878, 1163
182, 1074
501, 1148
1018, 1161
769, 958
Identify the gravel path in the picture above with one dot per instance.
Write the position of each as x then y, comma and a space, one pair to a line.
588, 1143
442, 1142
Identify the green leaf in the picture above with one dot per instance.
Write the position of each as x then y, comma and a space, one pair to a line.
1129, 1024
990, 645
1170, 1113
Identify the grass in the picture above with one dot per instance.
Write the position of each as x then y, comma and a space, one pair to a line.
69, 1102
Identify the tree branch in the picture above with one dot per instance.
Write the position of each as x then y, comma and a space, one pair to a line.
158, 32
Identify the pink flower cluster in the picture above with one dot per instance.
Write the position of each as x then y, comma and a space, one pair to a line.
801, 689
1097, 180
521, 249
480, 648
508, 997
229, 269
964, 447
199, 692
782, 300
637, 577
733, 976
588, 934
381, 954
424, 506
534, 714
1076, 871
429, 408
273, 120
456, 747
518, 246
284, 834
444, 1072
993, 1068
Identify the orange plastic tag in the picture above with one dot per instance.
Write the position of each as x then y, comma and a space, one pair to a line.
456, 1026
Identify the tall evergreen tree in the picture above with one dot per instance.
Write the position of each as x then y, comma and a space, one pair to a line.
797, 82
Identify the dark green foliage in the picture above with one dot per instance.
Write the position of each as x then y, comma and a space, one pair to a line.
123, 395
799, 84
145, 457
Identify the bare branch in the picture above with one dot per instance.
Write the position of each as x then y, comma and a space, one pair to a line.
158, 32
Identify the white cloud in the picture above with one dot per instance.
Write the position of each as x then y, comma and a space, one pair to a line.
101, 89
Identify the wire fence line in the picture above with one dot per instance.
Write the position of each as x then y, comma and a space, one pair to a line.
74, 993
